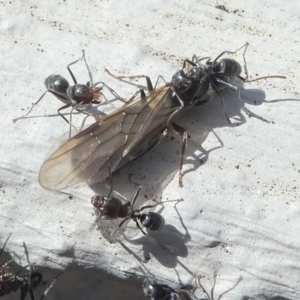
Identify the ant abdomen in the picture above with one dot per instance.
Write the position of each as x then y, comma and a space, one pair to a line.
228, 67
152, 221
58, 85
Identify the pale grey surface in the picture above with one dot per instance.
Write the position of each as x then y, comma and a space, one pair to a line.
241, 204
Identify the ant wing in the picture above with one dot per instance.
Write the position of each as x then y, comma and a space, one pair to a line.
109, 141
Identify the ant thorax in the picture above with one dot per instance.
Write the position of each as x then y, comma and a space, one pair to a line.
110, 207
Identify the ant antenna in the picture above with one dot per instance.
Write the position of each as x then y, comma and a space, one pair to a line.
51, 285
5, 244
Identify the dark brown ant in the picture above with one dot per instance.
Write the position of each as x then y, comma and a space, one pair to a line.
26, 283
216, 75
160, 291
111, 208
74, 96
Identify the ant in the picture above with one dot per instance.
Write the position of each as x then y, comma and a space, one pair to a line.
74, 96
111, 208
160, 291
26, 283
215, 76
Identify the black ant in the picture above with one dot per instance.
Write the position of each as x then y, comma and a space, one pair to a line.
74, 96
217, 75
26, 283
111, 208
160, 291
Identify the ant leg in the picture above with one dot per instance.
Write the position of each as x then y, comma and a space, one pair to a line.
74, 62
189, 63
247, 74
130, 77
221, 97
233, 287
135, 196
30, 293
260, 78
252, 114
248, 112
245, 109
64, 107
120, 225
231, 52
158, 141
245, 63
29, 111
113, 92
233, 87
27, 256
5, 244
71, 117
182, 132
110, 182
197, 60
88, 68
50, 286
133, 201
31, 269
69, 122
159, 77
203, 289
133, 254
158, 203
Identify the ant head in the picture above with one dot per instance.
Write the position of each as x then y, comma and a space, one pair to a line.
108, 207
99, 201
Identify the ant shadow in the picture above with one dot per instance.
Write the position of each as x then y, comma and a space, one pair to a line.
25, 281
157, 168
166, 245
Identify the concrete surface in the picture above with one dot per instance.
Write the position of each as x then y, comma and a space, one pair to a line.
240, 214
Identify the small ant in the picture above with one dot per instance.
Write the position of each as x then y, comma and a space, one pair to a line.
26, 283
111, 208
216, 75
74, 96
160, 291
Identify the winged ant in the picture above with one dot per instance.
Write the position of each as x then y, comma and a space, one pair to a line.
139, 125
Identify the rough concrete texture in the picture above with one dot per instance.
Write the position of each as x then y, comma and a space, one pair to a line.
239, 221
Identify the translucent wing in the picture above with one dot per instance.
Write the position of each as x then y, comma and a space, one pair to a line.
86, 156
